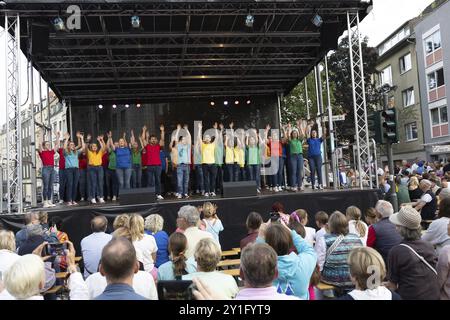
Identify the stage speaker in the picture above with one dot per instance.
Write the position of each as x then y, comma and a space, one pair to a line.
39, 39
137, 196
329, 35
239, 189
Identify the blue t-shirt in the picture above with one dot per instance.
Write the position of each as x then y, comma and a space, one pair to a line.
123, 158
162, 242
184, 153
163, 157
72, 159
314, 145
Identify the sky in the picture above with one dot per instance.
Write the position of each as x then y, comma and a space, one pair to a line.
385, 18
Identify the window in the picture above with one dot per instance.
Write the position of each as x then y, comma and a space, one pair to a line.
386, 76
405, 63
433, 42
408, 97
439, 121
411, 131
436, 79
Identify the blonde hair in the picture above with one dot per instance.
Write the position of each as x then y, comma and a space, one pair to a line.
122, 220
413, 183
154, 223
207, 255
25, 276
43, 217
209, 210
353, 213
302, 214
7, 240
363, 261
122, 232
136, 227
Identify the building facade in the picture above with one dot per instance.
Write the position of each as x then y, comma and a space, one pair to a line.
433, 57
397, 66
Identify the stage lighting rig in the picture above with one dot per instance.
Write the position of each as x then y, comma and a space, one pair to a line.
114, 106
212, 103
58, 24
236, 102
100, 106
317, 20
249, 20
135, 21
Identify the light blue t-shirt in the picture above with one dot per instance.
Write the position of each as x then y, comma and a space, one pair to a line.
165, 271
91, 248
72, 159
184, 153
214, 228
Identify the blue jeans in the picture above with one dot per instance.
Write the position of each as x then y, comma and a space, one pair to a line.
124, 177
210, 176
96, 181
62, 184
254, 173
154, 178
183, 178
232, 172
280, 174
136, 176
296, 162
83, 184
112, 183
199, 178
72, 176
315, 165
47, 181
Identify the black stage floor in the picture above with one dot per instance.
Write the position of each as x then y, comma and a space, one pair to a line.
232, 211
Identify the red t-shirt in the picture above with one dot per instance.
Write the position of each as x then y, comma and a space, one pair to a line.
277, 149
82, 161
150, 155
62, 160
105, 160
47, 157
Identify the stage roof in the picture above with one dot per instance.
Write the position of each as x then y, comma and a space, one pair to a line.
182, 50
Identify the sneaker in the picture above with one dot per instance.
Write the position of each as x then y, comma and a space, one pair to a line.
186, 196
61, 201
74, 203
206, 194
159, 197
82, 199
203, 192
213, 194
93, 201
69, 204
46, 204
197, 191
100, 200
277, 189
258, 190
114, 198
320, 187
179, 196
294, 189
313, 187
302, 188
271, 189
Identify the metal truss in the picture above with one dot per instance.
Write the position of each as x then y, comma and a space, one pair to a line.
14, 194
363, 156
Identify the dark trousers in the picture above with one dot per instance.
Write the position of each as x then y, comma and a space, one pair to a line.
209, 175
219, 178
315, 165
62, 184
154, 178
232, 170
254, 173
72, 176
96, 181
83, 184
112, 183
199, 183
136, 176
47, 181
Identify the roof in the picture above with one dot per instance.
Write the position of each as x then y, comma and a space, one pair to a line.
183, 49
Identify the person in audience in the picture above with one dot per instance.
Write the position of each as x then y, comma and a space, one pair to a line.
207, 255
154, 224
382, 236
301, 216
443, 270
427, 204
35, 238
145, 243
24, 279
413, 188
190, 217
371, 216
333, 250
211, 221
294, 270
437, 233
252, 223
22, 235
355, 225
321, 218
411, 264
92, 245
56, 229
278, 207
298, 227
178, 265
402, 192
445, 193
43, 221
125, 233
120, 221
368, 286
8, 253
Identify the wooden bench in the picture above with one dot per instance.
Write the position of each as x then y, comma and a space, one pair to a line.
232, 272
238, 250
61, 275
230, 262
54, 289
324, 286
229, 253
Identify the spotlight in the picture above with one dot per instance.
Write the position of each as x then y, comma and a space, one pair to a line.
248, 101
138, 105
212, 103
225, 102
236, 102
100, 106
127, 106
58, 24
114, 106
249, 20
317, 20
135, 21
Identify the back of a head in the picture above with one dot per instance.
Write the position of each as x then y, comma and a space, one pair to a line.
209, 210
259, 265
321, 217
254, 221
25, 277
136, 227
122, 220
338, 223
30, 217
297, 227
99, 224
278, 207
302, 214
118, 259
190, 214
122, 232
7, 240
279, 238
444, 208
154, 223
43, 217
177, 248
207, 255
34, 230
353, 213
364, 262
57, 222
384, 208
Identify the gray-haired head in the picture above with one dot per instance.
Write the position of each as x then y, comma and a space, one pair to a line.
384, 208
445, 193
35, 230
425, 185
190, 214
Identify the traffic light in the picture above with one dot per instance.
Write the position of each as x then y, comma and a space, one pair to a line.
375, 126
390, 132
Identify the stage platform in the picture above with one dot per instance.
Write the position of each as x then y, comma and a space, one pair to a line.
232, 211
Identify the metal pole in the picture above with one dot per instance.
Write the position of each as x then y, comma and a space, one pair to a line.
320, 131
33, 141
70, 118
375, 160
49, 123
331, 130
279, 109
307, 98
392, 195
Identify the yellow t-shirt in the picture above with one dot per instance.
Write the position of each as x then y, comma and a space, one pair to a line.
95, 159
239, 155
208, 153
229, 155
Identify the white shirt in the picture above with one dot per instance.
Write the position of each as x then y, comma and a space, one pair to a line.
310, 235
320, 233
321, 251
437, 233
143, 284
426, 198
147, 245
7, 258
221, 283
352, 229
194, 235
379, 293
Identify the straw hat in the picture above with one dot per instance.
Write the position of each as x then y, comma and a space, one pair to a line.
407, 217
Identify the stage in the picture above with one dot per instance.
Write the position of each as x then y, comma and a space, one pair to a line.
232, 211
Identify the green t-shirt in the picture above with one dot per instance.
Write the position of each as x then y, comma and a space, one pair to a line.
112, 160
136, 157
218, 154
295, 146
253, 156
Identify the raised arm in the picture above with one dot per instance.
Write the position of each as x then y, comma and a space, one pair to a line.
161, 140
289, 130
79, 144
143, 139
124, 137
102, 143
199, 136
66, 140
132, 138
188, 134
174, 141
110, 142
56, 143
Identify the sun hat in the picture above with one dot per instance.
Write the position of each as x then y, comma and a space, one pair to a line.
407, 217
